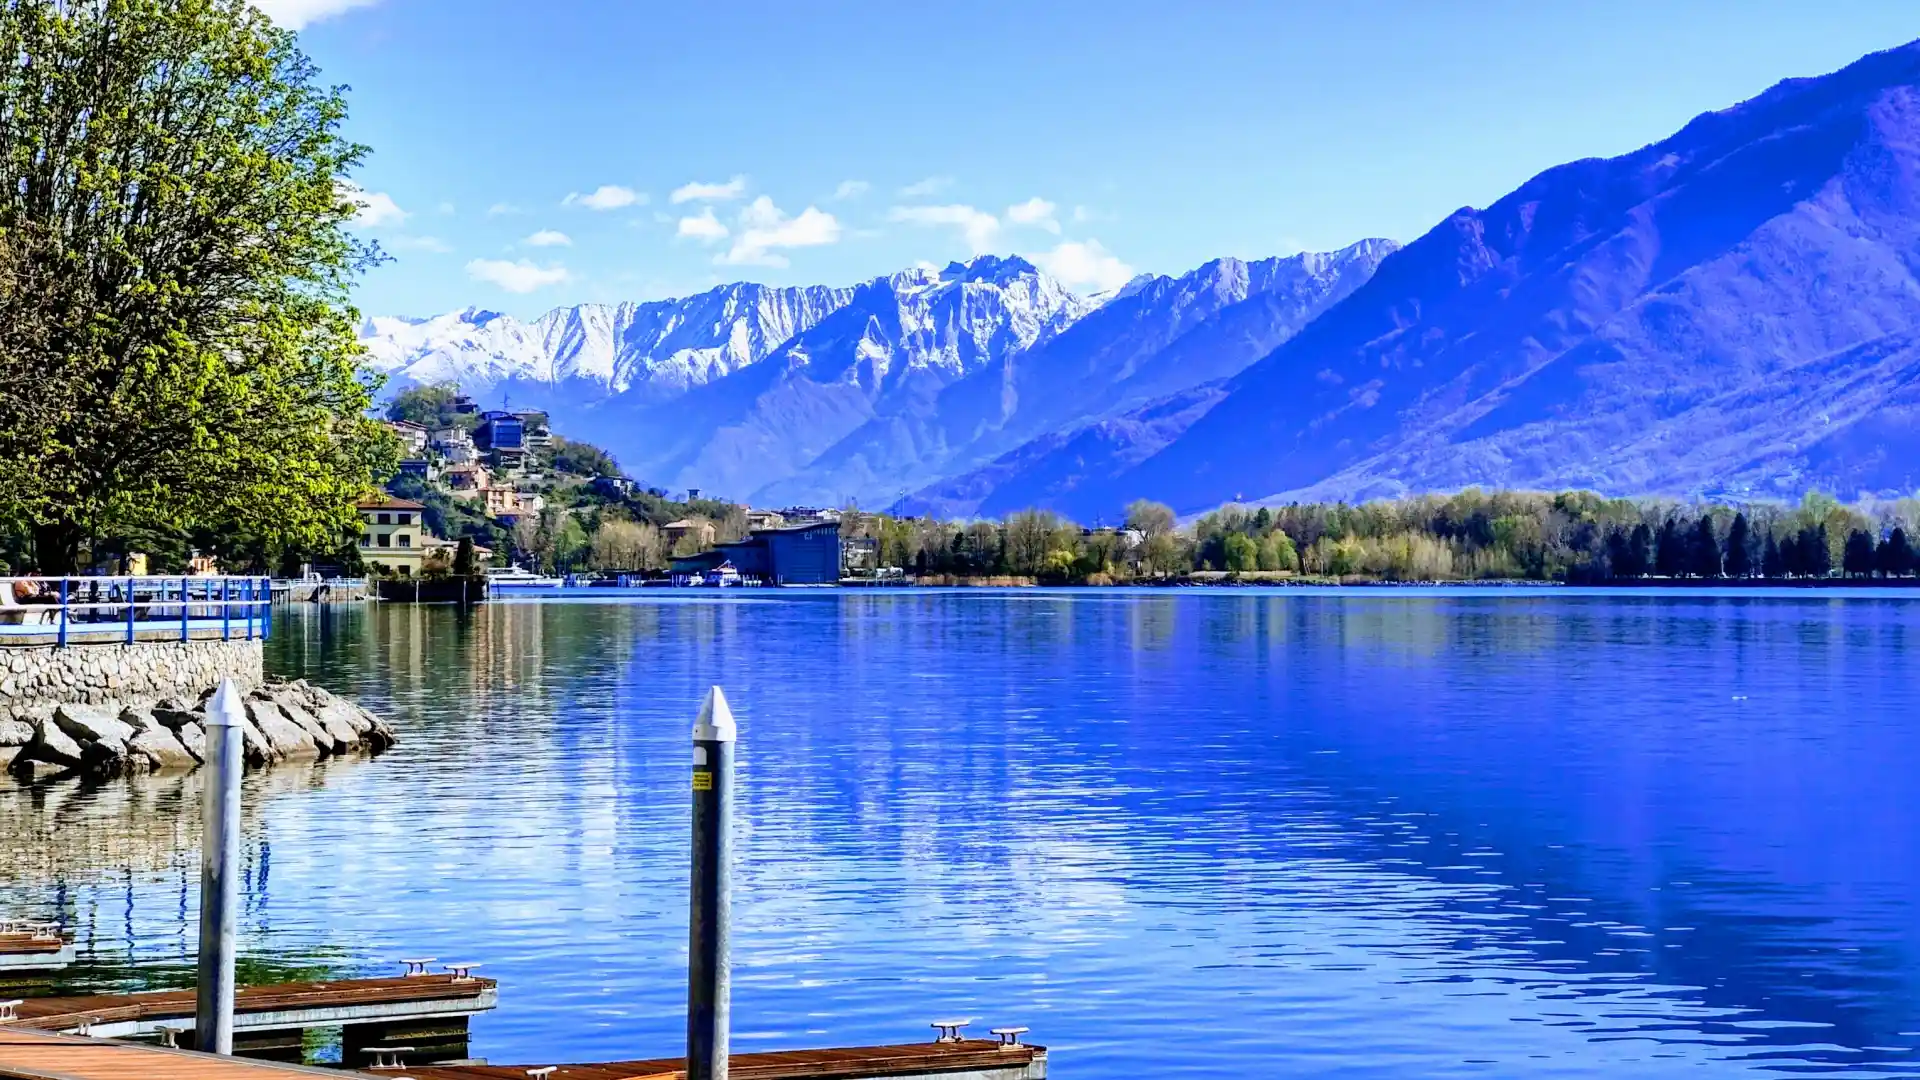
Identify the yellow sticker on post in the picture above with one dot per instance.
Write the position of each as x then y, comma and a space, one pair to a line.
702, 780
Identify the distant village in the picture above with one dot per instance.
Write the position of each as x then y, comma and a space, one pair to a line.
525, 498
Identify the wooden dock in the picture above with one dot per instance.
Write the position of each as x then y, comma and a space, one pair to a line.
33, 1055
33, 950
287, 1006
971, 1059
37, 1055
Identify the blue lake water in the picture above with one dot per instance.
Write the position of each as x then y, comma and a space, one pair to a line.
1201, 833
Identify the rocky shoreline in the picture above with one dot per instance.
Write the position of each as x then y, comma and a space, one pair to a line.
285, 721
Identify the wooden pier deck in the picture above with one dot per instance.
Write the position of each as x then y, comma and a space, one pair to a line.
28, 950
38, 1055
972, 1059
33, 1055
256, 1008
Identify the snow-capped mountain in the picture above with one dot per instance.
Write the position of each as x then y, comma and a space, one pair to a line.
1158, 335
826, 394
654, 350
898, 340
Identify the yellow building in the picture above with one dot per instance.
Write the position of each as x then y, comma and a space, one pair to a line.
393, 537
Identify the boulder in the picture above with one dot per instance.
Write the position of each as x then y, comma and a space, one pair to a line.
86, 724
193, 738
102, 737
51, 746
323, 740
175, 714
138, 719
161, 751
335, 716
15, 732
287, 738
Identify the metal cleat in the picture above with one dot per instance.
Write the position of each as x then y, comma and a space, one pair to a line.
1009, 1036
461, 972
10, 1010
950, 1029
418, 967
388, 1057
542, 1074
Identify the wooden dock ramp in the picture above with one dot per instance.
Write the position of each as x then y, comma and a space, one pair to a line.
38, 1055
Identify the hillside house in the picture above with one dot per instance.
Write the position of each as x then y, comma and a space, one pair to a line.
507, 505
675, 531
468, 481
393, 535
412, 436
453, 444
502, 436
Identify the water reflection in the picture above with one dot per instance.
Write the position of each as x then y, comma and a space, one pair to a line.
1362, 834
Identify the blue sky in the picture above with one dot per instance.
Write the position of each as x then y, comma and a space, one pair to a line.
532, 154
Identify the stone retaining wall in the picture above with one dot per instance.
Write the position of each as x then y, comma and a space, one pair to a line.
138, 674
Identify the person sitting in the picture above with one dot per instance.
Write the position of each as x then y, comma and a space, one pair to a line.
17, 598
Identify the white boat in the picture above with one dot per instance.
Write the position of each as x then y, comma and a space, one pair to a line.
518, 579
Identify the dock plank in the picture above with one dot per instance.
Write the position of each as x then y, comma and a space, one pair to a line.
68, 1013
840, 1063
27, 944
38, 1055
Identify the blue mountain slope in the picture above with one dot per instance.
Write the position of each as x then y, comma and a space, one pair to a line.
1731, 308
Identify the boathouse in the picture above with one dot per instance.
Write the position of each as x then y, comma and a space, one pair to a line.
798, 555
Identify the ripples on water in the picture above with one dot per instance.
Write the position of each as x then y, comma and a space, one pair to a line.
1219, 834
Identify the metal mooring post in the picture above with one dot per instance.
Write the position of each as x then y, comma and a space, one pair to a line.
709, 967
219, 874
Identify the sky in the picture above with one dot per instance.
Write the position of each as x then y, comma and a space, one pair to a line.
526, 155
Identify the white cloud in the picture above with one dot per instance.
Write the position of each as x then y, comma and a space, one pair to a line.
1075, 263
501, 209
851, 189
699, 192
605, 197
980, 228
764, 228
548, 238
430, 244
1037, 212
932, 185
296, 14
705, 228
375, 209
448, 209
517, 277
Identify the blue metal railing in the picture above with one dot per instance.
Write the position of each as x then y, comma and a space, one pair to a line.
93, 610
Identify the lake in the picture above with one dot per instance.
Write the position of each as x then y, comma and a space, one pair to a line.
1211, 833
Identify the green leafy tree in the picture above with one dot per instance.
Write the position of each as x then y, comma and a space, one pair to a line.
176, 346
1150, 519
1240, 553
431, 407
582, 459
1277, 552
